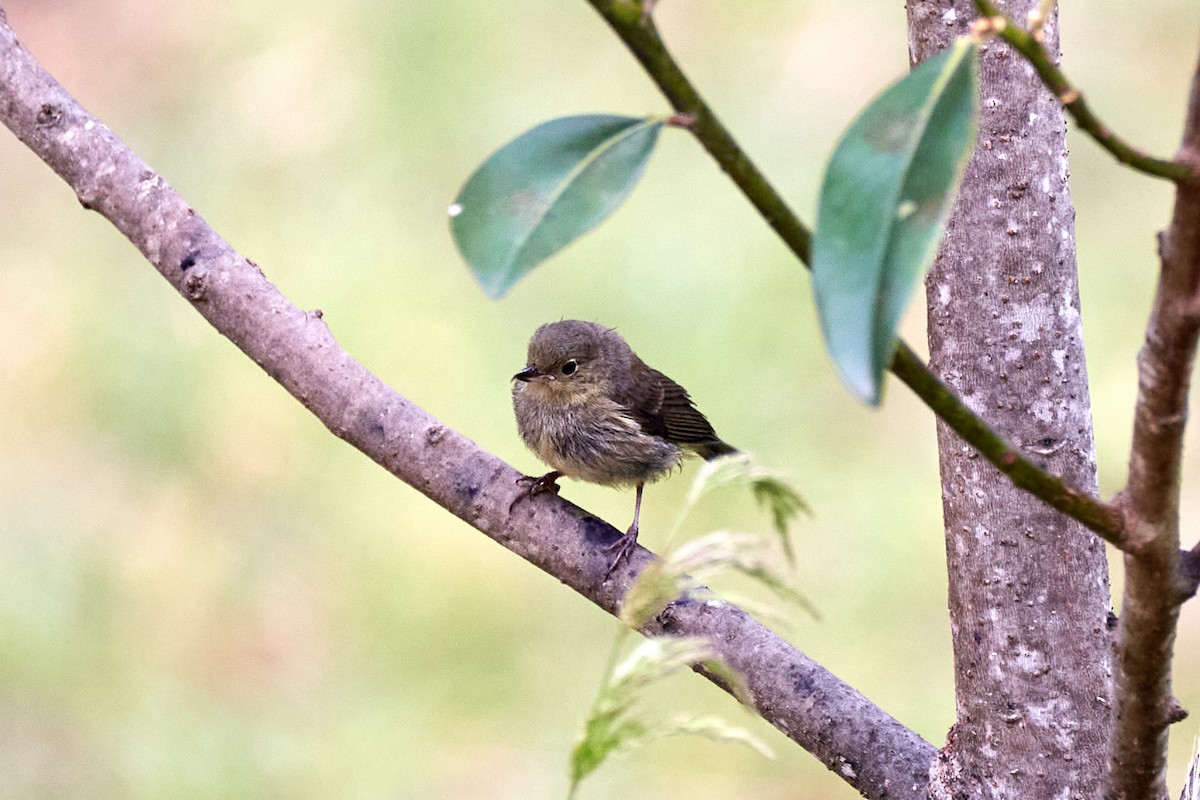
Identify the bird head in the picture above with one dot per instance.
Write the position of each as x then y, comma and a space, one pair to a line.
571, 361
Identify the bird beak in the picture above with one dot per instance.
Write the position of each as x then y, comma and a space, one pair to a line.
527, 374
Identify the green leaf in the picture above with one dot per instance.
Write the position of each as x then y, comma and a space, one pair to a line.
784, 503
655, 587
615, 725
612, 726
683, 572
887, 192
717, 730
544, 189
767, 486
747, 553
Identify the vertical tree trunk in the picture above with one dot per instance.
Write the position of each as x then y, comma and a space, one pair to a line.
1028, 594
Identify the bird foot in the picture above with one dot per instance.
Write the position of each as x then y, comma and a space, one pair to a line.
537, 485
622, 547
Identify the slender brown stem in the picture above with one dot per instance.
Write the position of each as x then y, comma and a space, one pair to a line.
641, 37
1159, 576
1073, 101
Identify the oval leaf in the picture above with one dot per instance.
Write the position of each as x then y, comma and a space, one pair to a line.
887, 192
544, 189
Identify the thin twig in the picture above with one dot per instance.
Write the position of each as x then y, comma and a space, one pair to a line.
639, 34
1072, 99
1107, 520
642, 39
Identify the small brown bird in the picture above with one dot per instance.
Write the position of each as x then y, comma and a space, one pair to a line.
591, 409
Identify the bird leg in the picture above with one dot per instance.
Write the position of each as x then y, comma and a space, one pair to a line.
546, 483
626, 544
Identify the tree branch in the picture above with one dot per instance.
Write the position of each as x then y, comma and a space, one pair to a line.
869, 749
1157, 576
636, 29
1107, 520
1071, 98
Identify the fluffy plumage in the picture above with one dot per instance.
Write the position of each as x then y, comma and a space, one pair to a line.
591, 409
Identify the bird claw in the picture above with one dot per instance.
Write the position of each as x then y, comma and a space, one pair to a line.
537, 485
623, 547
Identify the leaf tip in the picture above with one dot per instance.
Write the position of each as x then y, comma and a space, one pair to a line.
493, 290
863, 382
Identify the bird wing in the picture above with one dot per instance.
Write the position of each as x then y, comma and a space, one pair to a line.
663, 408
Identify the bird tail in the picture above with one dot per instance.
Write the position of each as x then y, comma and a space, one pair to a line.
714, 449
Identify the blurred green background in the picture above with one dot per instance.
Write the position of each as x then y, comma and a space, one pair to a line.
204, 594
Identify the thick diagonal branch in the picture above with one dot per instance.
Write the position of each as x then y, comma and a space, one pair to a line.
876, 754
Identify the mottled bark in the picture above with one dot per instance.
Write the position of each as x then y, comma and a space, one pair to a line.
1028, 587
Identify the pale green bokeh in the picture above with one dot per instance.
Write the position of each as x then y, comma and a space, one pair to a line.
204, 594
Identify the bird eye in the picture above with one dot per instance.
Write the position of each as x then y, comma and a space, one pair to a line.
570, 367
